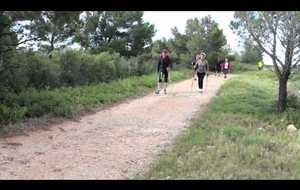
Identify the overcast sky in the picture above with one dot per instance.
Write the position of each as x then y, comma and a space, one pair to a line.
165, 20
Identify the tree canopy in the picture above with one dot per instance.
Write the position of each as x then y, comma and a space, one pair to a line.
271, 30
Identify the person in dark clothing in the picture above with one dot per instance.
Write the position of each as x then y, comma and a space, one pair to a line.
163, 67
218, 66
202, 69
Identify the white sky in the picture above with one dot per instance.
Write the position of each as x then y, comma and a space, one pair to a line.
165, 20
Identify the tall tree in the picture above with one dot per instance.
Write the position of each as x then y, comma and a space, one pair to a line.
179, 42
251, 53
120, 31
205, 35
271, 30
11, 36
54, 29
12, 29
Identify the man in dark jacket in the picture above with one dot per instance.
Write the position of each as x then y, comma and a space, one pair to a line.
218, 66
163, 68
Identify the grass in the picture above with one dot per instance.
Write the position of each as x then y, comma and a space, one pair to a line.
239, 136
67, 102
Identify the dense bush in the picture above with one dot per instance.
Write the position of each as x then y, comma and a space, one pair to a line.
67, 101
40, 71
12, 73
68, 67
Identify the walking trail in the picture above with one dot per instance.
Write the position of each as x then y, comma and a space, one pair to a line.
115, 143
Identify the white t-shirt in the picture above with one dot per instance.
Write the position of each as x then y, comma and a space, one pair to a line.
226, 65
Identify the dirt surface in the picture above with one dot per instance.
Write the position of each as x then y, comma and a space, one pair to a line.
115, 143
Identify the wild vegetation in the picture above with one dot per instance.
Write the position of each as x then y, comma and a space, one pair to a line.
240, 136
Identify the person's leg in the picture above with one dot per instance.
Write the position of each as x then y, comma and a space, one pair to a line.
159, 83
200, 80
166, 81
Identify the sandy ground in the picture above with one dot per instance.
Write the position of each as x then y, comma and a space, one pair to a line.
115, 143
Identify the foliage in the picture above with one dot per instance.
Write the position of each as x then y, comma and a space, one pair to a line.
200, 35
239, 136
271, 31
251, 53
54, 29
119, 31
67, 101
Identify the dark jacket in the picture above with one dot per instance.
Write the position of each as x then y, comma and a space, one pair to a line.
163, 64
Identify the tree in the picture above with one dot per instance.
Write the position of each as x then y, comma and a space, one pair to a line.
251, 53
120, 31
179, 41
12, 30
271, 30
205, 35
158, 45
54, 29
11, 36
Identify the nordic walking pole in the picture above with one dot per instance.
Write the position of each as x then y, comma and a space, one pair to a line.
157, 83
193, 78
170, 76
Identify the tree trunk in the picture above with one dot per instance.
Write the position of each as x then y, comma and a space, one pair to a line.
282, 95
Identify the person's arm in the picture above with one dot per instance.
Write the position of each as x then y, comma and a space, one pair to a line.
207, 68
196, 66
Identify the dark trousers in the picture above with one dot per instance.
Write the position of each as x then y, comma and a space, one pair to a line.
200, 79
163, 74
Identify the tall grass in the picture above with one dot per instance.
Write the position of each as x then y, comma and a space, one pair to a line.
239, 137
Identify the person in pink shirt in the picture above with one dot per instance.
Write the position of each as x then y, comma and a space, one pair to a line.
226, 67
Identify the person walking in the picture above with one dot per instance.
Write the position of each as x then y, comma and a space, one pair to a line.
202, 69
218, 66
226, 67
163, 68
260, 65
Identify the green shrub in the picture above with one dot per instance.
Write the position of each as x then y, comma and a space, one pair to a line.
41, 72
67, 101
8, 114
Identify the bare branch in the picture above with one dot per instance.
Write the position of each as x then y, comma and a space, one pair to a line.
273, 56
24, 41
269, 23
264, 49
296, 62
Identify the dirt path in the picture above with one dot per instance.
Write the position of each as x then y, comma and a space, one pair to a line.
111, 144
